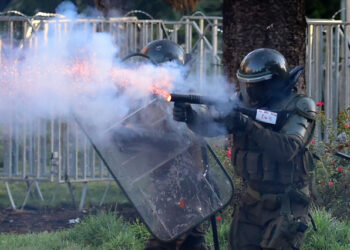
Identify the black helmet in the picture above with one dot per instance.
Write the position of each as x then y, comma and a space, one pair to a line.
161, 51
263, 74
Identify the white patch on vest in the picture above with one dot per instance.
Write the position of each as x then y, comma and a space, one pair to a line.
266, 116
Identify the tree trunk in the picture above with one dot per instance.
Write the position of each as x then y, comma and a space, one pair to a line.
253, 24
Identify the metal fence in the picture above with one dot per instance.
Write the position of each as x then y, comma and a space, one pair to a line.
57, 151
327, 65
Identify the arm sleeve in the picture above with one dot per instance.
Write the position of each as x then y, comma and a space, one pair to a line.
205, 125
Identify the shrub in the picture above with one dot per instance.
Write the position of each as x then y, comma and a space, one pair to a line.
332, 233
332, 174
106, 231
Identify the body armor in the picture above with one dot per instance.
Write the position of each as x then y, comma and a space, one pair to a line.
275, 162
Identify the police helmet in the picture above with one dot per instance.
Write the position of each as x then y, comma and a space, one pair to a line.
262, 75
161, 51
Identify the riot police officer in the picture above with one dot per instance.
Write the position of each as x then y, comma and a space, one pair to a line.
159, 52
271, 158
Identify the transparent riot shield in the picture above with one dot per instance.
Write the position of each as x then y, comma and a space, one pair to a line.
163, 168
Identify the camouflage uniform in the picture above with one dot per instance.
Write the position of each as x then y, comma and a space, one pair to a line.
194, 240
274, 162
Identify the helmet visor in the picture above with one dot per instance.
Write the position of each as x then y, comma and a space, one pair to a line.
256, 93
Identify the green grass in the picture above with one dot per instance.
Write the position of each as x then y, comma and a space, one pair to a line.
104, 231
332, 234
223, 232
94, 194
107, 231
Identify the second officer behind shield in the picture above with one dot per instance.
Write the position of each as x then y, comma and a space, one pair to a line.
159, 52
272, 159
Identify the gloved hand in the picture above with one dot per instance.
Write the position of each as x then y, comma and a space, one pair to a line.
183, 112
236, 121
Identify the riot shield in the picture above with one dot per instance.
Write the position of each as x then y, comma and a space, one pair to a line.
159, 165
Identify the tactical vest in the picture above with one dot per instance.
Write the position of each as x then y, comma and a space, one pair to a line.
261, 170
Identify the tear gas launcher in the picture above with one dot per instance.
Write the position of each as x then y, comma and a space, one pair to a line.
266, 116
262, 115
194, 99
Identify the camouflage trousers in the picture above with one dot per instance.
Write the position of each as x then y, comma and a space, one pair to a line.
194, 240
258, 224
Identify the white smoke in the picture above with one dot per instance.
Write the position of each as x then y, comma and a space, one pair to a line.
76, 71
79, 71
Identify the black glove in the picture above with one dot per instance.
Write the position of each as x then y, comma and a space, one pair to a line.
236, 121
183, 112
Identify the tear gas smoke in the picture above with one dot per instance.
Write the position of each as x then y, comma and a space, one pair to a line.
79, 71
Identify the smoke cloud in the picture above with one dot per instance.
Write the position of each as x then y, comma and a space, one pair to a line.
79, 71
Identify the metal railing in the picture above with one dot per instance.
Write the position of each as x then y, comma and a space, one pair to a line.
57, 151
327, 65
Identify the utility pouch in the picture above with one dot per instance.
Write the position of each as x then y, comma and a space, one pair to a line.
239, 161
273, 237
270, 201
308, 161
253, 161
269, 168
282, 233
298, 196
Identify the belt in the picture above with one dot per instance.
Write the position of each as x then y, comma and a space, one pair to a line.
257, 195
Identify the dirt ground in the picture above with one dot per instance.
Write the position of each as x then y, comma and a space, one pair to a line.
51, 219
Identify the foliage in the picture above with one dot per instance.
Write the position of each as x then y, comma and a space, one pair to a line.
162, 8
183, 5
103, 231
332, 233
332, 173
41, 241
223, 227
106, 231
322, 8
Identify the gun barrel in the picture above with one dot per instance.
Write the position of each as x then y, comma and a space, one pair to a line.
193, 99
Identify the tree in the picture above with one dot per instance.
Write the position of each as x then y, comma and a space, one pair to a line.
183, 5
252, 24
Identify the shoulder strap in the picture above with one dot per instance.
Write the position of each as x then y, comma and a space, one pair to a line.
288, 108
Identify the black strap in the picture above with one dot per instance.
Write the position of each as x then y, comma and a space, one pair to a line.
215, 232
206, 164
314, 226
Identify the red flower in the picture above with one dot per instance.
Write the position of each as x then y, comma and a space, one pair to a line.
219, 218
340, 147
216, 145
182, 203
347, 126
333, 163
330, 184
229, 153
319, 104
340, 169
312, 142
